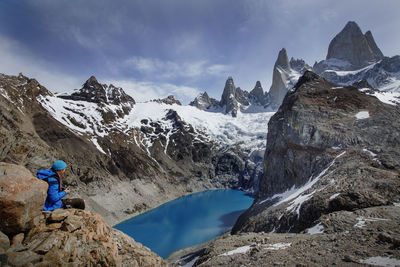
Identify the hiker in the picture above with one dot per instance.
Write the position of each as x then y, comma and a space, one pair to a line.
55, 193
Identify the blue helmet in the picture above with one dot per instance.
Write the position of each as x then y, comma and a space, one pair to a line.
59, 165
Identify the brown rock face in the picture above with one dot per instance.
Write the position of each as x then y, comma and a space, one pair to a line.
21, 198
86, 240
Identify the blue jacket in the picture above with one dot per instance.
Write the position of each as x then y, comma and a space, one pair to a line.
54, 195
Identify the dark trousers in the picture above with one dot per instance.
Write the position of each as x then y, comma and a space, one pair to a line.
75, 203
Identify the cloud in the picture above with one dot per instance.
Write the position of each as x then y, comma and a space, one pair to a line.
15, 59
145, 91
171, 69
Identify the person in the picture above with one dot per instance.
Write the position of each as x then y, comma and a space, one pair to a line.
55, 193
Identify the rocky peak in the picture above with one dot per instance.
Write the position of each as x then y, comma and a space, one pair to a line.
257, 93
169, 100
352, 46
228, 97
375, 49
281, 78
21, 91
299, 65
93, 91
282, 60
92, 83
203, 101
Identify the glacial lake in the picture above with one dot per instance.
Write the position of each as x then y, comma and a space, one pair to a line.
187, 221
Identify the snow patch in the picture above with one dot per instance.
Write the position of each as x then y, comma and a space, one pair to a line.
191, 263
334, 196
316, 229
243, 249
277, 246
396, 204
381, 261
391, 98
295, 194
362, 115
370, 152
94, 141
361, 221
5, 94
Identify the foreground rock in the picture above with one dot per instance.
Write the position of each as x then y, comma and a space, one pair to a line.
21, 198
64, 237
78, 238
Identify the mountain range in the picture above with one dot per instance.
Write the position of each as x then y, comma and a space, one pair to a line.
352, 57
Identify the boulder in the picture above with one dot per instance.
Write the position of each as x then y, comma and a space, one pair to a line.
21, 198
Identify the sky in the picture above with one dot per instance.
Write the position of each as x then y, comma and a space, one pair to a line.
154, 48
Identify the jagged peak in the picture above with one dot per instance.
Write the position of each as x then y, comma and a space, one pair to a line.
351, 45
283, 60
351, 26
92, 83
93, 91
372, 44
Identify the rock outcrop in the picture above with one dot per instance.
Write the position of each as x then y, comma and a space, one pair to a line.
93, 91
21, 198
169, 100
203, 101
59, 238
232, 97
324, 141
79, 238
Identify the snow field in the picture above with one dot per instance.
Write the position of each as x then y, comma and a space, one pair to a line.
361, 221
244, 249
316, 229
247, 129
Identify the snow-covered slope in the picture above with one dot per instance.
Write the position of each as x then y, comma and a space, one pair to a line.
383, 75
247, 130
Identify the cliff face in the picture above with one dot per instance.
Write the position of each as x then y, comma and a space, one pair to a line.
354, 47
324, 140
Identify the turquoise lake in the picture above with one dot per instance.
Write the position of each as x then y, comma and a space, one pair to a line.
187, 221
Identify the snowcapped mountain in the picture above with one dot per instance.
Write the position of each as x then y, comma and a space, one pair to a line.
352, 57
89, 112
